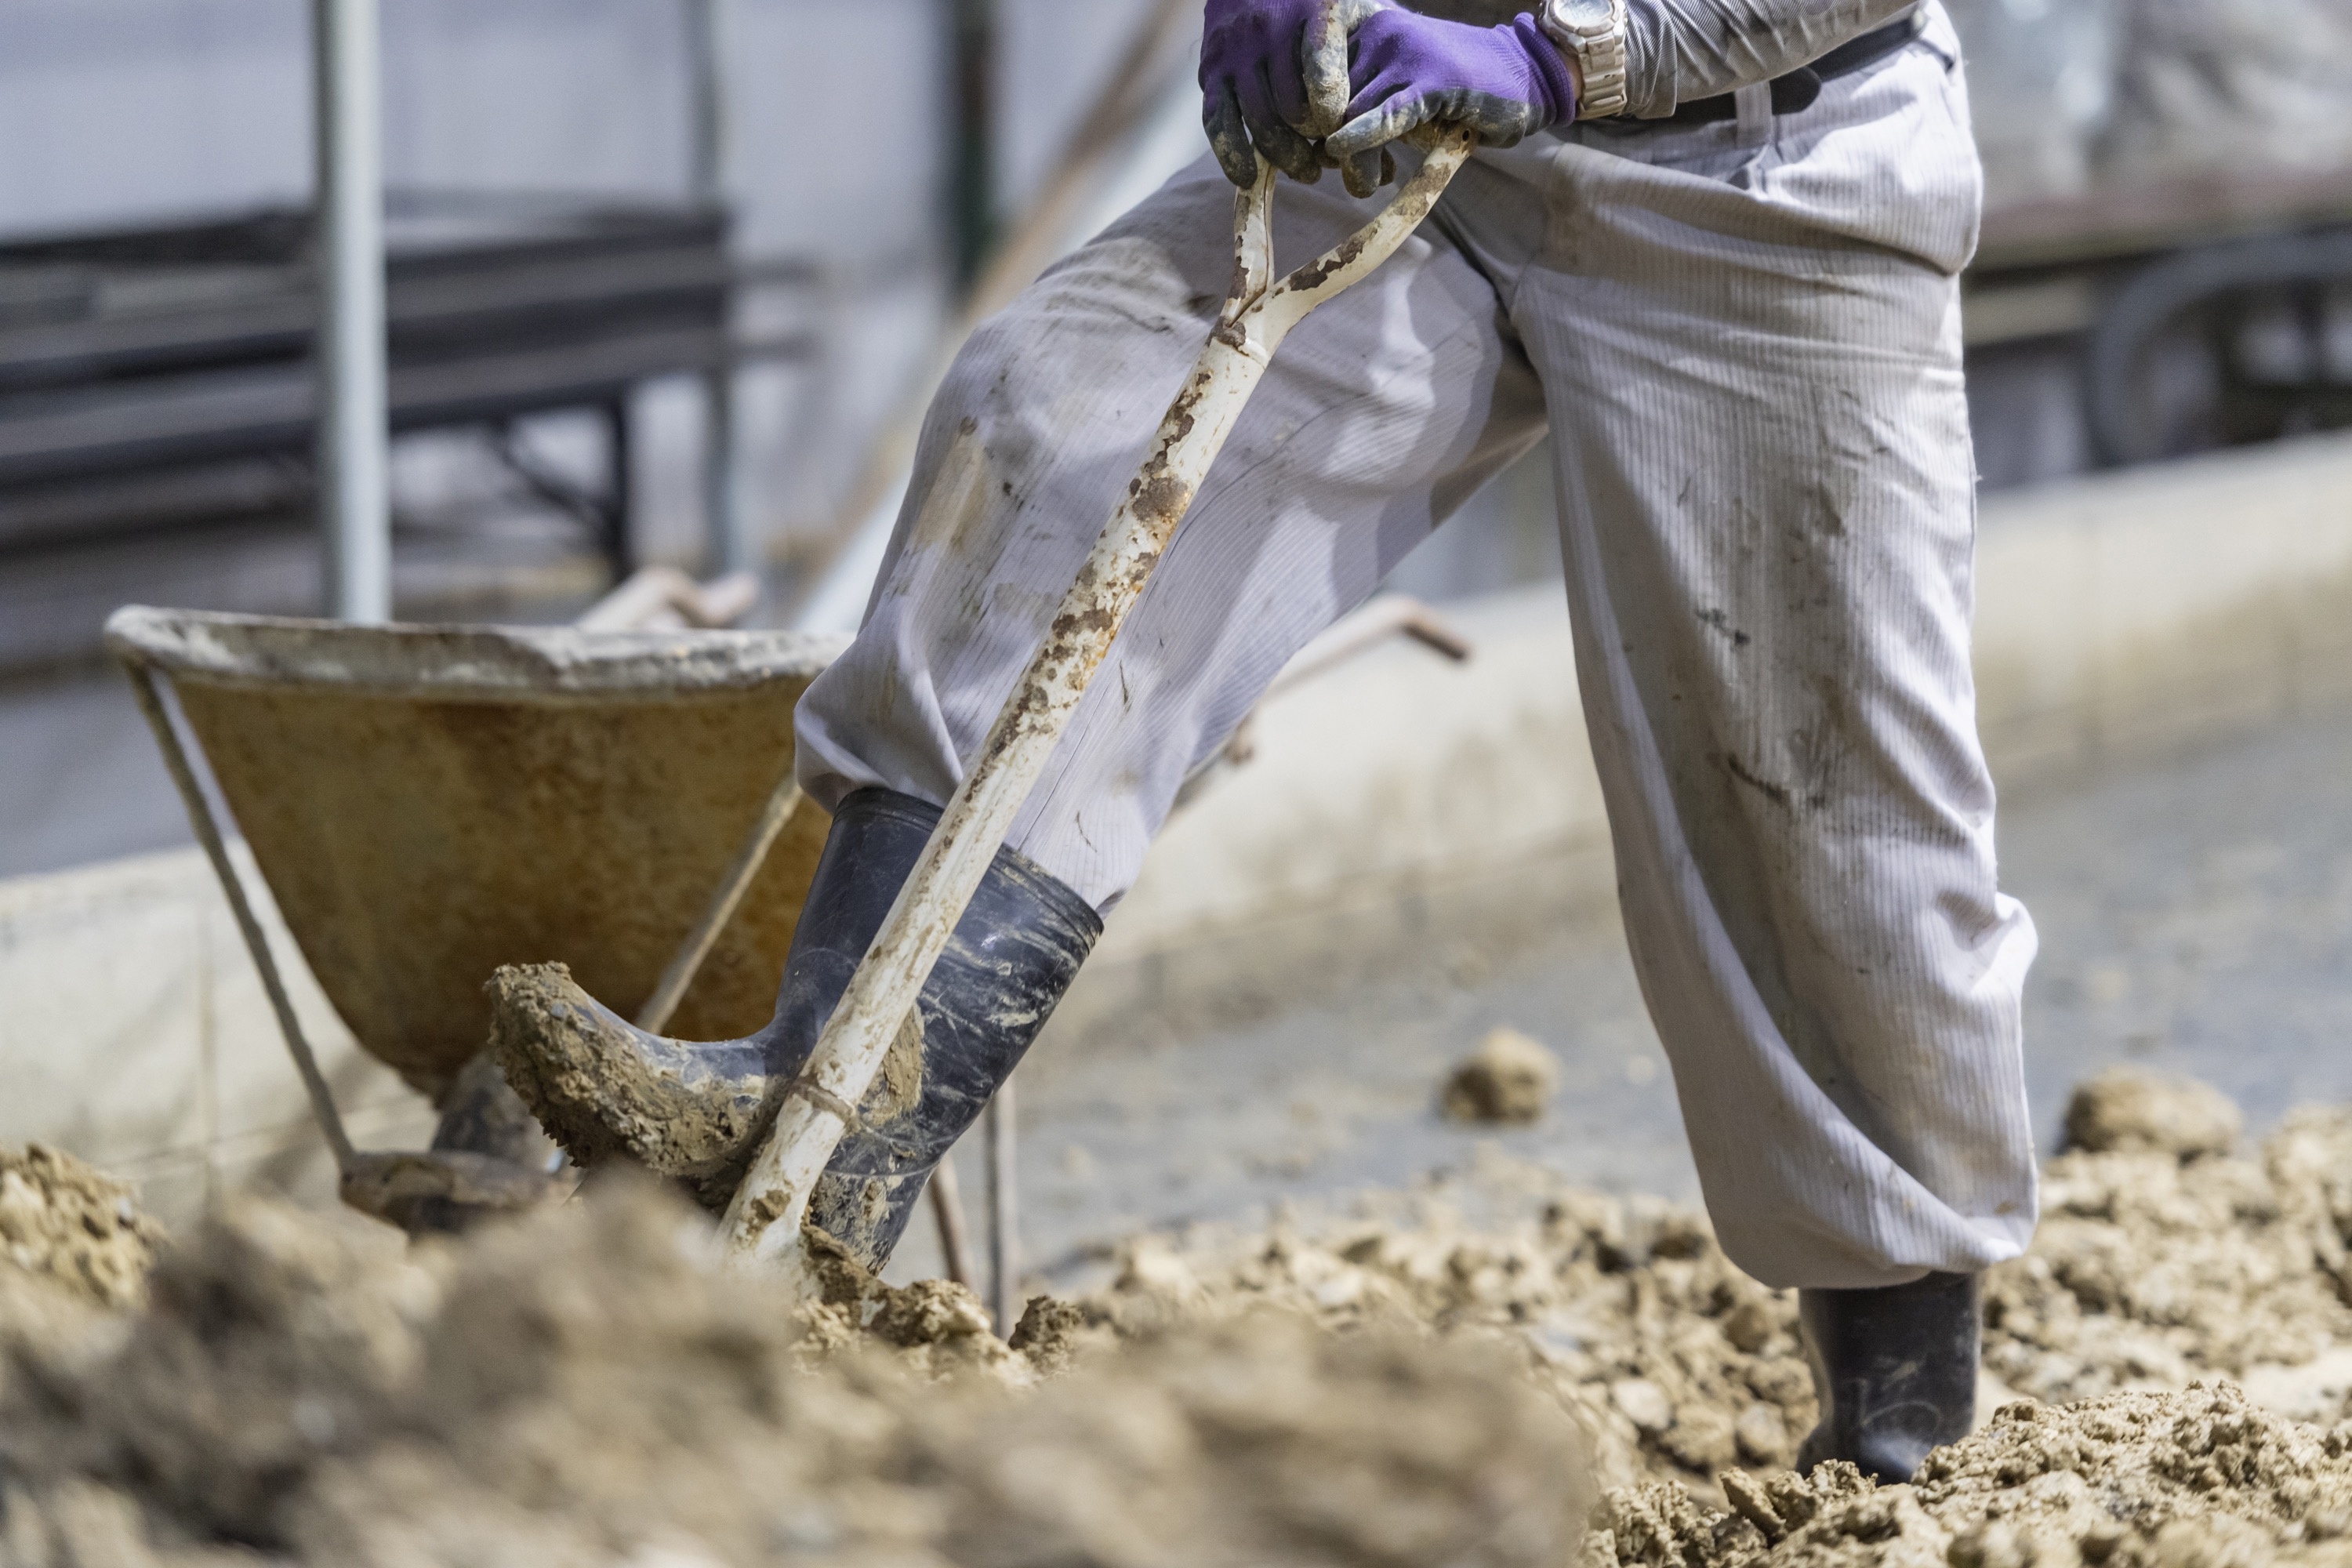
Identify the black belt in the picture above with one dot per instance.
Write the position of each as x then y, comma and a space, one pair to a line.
1797, 90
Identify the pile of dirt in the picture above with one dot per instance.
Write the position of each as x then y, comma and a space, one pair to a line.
1437, 1375
2162, 1257
72, 1224
584, 1387
2137, 1481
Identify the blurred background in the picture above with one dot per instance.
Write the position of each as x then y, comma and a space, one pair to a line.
609, 218
670, 282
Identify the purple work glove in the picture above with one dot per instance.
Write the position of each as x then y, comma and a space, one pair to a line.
1410, 70
1274, 80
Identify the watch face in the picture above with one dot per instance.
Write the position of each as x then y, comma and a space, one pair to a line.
1583, 16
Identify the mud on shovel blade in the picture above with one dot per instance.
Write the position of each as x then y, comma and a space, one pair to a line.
762, 1225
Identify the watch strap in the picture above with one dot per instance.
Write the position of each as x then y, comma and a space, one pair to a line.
1600, 57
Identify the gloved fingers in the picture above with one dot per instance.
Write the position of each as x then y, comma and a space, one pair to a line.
1284, 147
1323, 68
1386, 102
1367, 172
1499, 122
1229, 139
1288, 64
1383, 111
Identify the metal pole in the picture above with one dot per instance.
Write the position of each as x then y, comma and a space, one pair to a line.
706, 44
146, 684
947, 1208
1004, 1212
354, 500
971, 152
707, 47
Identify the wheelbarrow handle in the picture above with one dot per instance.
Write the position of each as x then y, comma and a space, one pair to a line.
762, 1225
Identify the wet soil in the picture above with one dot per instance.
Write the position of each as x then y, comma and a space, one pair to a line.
1451, 1373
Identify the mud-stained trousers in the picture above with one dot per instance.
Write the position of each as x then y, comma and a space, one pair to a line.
1748, 359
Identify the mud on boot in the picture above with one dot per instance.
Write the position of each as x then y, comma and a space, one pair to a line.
1895, 1371
603, 1088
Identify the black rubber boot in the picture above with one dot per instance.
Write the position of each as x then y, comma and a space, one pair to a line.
602, 1088
1014, 954
1895, 1371
481, 1114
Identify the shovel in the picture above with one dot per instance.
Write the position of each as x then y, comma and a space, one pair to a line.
762, 1225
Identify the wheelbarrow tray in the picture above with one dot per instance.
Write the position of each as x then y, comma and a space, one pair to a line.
428, 803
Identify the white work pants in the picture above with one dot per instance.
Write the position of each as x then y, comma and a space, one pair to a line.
1750, 363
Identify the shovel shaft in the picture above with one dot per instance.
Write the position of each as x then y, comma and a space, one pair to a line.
763, 1221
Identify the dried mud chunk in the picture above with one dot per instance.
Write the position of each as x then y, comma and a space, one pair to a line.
1785, 1381
929, 1313
1702, 1441
1753, 1503
73, 1224
1642, 1402
1509, 1078
1048, 1332
2126, 1110
1750, 1324
1659, 1523
1763, 1435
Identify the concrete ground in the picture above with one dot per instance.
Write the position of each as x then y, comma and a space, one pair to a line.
2196, 915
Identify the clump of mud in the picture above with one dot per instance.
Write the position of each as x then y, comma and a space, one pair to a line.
2130, 1110
2163, 1256
1510, 1077
2138, 1480
72, 1224
583, 1386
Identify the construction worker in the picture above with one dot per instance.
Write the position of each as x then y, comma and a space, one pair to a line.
1712, 248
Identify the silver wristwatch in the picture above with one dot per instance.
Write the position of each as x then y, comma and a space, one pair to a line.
1594, 32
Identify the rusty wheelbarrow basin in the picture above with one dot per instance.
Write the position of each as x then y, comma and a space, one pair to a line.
428, 803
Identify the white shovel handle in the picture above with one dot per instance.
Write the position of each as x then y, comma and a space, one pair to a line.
764, 1221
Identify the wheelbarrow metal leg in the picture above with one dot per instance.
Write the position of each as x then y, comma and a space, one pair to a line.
146, 684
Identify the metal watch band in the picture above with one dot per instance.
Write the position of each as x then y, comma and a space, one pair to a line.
1600, 54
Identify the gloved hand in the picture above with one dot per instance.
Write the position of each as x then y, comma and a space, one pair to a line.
1274, 80
1409, 69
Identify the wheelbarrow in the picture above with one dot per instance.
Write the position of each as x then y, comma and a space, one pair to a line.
428, 803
